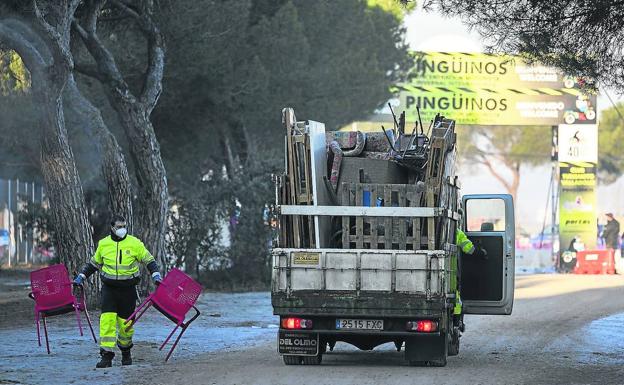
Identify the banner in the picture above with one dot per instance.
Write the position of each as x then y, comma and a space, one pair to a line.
484, 89
577, 206
578, 155
578, 143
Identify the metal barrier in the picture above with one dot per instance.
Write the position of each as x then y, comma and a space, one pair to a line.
17, 244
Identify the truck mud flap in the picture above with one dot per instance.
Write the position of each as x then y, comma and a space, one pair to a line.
298, 344
426, 347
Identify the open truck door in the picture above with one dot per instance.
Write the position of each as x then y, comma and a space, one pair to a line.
487, 281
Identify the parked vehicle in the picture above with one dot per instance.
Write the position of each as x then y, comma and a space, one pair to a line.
366, 249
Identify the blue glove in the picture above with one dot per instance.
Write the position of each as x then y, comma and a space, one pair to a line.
79, 279
156, 278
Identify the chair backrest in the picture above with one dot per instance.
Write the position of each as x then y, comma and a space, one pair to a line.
51, 286
177, 293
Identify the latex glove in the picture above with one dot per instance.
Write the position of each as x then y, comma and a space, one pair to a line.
79, 280
156, 277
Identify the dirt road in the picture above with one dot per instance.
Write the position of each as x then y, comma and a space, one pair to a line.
560, 332
565, 329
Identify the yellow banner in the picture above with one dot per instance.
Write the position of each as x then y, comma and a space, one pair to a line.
491, 90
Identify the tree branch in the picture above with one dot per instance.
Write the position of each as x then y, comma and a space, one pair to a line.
152, 85
93, 10
496, 175
33, 59
88, 70
106, 65
126, 9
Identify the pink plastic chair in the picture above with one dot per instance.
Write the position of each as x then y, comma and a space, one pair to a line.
52, 292
174, 297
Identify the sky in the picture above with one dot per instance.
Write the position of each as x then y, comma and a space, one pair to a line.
434, 32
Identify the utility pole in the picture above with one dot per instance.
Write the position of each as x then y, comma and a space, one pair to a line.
554, 204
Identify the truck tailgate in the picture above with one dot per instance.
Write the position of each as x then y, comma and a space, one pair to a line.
335, 280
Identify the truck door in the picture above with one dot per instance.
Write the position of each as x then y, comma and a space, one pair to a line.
487, 281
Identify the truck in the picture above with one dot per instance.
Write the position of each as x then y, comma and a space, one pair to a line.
364, 251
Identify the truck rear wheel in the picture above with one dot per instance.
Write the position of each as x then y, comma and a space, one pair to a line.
453, 348
292, 360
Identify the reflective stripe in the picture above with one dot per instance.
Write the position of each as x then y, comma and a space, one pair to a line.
124, 341
133, 266
148, 258
463, 242
119, 277
95, 264
108, 339
457, 310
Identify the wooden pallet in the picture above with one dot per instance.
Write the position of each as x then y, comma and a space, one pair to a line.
381, 232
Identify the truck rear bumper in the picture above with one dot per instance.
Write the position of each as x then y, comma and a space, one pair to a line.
380, 333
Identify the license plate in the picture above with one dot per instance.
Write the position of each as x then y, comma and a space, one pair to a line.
359, 324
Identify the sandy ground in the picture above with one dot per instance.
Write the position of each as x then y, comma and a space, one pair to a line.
565, 329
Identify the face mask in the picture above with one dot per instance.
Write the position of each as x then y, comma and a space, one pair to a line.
121, 232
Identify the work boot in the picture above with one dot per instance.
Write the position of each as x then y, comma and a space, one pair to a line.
126, 356
107, 359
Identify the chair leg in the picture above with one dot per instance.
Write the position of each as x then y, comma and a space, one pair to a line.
78, 318
184, 327
170, 334
176, 342
38, 333
45, 330
136, 317
90, 326
136, 311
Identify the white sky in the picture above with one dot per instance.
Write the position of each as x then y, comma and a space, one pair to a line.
434, 32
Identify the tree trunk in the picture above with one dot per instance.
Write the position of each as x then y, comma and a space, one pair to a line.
114, 168
134, 113
73, 239
153, 193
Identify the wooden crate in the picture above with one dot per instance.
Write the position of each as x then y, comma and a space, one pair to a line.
381, 232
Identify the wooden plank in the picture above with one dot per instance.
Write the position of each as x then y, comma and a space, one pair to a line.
345, 219
309, 195
430, 221
388, 221
416, 225
401, 221
359, 221
373, 220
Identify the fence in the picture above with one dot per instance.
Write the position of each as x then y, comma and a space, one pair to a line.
17, 244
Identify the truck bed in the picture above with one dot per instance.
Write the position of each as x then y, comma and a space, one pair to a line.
360, 282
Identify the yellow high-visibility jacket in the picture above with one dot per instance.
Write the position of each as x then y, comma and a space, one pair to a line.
462, 241
119, 261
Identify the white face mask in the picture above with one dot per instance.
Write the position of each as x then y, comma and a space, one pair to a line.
121, 232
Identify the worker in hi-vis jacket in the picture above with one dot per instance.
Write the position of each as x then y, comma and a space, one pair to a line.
117, 258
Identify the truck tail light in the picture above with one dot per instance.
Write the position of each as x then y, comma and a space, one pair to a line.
422, 326
296, 323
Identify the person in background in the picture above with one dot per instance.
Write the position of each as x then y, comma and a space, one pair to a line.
611, 232
599, 234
